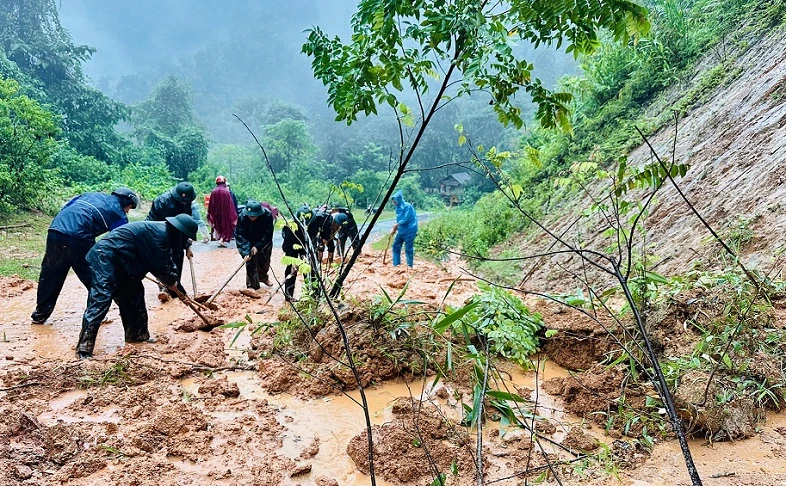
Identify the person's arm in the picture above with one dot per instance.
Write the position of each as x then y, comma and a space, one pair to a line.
155, 211
408, 218
243, 243
120, 222
267, 233
163, 266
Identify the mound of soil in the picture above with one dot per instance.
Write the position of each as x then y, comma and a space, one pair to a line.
597, 393
419, 443
703, 412
317, 366
14, 286
580, 341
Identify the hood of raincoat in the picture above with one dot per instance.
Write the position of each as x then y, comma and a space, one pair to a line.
399, 198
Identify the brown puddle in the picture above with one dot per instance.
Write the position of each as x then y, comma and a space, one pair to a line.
335, 420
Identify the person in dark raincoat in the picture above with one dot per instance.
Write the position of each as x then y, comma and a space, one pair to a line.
295, 245
169, 204
254, 237
71, 235
119, 262
405, 229
344, 228
222, 212
320, 230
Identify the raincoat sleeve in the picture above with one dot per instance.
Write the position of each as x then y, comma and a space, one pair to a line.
156, 210
120, 222
242, 231
159, 254
267, 232
407, 217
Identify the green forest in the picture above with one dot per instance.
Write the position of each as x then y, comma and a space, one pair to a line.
176, 121
148, 130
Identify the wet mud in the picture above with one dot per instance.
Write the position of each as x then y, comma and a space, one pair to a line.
226, 407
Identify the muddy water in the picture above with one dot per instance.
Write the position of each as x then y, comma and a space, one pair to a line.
335, 420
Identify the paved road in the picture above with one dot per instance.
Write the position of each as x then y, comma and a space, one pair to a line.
383, 227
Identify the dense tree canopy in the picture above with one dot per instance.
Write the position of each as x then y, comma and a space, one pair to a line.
33, 39
27, 141
166, 121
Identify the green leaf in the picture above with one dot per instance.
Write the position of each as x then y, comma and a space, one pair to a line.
500, 395
449, 319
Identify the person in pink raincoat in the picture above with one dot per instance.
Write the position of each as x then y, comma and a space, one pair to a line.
222, 213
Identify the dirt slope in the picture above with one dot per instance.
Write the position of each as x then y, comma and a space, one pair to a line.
735, 144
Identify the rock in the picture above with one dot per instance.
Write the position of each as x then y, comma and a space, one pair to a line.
222, 386
577, 439
326, 481
23, 472
300, 469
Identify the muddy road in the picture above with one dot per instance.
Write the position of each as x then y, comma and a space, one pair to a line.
200, 408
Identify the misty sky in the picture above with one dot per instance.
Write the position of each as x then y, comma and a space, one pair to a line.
141, 35
227, 51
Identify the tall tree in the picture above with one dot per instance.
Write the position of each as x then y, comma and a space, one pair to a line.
27, 140
33, 39
166, 121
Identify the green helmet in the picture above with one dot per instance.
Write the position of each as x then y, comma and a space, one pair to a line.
304, 214
184, 192
253, 208
127, 197
185, 224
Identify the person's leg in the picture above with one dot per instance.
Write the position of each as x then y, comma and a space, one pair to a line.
398, 242
352, 232
264, 264
130, 298
409, 249
252, 273
79, 263
290, 275
178, 257
98, 302
54, 269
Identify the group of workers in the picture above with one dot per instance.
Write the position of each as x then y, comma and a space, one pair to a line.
114, 267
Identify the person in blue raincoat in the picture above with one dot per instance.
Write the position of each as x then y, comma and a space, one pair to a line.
405, 229
72, 234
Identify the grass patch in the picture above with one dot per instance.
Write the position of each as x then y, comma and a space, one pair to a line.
22, 248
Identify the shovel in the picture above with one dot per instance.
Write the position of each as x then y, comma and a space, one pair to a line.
209, 323
193, 277
208, 301
387, 247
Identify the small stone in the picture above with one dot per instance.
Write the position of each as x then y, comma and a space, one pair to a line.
9, 358
326, 481
23, 472
300, 470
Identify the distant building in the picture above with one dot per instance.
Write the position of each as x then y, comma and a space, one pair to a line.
451, 188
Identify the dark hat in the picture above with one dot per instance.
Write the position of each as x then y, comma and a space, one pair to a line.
184, 192
185, 224
253, 208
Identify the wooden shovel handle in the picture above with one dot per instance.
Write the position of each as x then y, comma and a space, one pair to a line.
185, 300
188, 302
242, 264
193, 277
